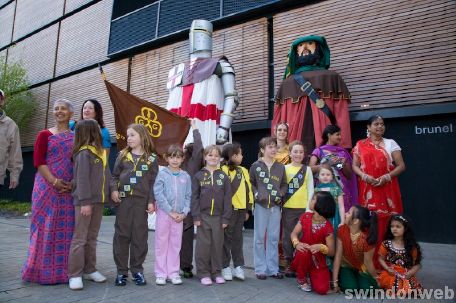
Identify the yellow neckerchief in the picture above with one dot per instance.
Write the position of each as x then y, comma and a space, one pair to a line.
129, 157
93, 150
104, 160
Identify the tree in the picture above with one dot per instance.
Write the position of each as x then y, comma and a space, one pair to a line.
20, 103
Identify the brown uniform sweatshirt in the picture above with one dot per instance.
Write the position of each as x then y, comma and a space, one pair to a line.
269, 185
91, 177
135, 176
195, 163
211, 195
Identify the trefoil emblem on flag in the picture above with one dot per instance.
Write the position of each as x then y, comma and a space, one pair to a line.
148, 118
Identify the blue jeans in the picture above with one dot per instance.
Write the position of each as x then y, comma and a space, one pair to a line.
267, 222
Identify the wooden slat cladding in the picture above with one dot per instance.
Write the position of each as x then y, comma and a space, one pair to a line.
38, 120
89, 84
32, 14
71, 5
391, 53
84, 38
37, 54
6, 24
244, 45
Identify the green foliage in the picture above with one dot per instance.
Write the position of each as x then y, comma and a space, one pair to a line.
20, 103
16, 207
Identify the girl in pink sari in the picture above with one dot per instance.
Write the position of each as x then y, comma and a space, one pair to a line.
52, 220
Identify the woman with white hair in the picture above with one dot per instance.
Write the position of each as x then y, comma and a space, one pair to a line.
52, 219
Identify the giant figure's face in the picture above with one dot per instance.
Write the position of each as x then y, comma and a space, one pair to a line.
307, 53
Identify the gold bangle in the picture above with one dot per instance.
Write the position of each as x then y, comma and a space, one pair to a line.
55, 182
295, 242
323, 249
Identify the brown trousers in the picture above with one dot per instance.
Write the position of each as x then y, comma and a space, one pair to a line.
233, 243
130, 235
290, 217
83, 250
186, 253
209, 246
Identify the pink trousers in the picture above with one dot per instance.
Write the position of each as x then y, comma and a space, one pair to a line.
168, 240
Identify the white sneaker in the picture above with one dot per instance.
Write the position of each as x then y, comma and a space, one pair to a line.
76, 283
176, 280
160, 281
227, 274
95, 276
305, 287
239, 273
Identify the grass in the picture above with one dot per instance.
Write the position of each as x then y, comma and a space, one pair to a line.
19, 208
15, 207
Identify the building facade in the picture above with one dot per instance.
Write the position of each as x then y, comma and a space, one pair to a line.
397, 58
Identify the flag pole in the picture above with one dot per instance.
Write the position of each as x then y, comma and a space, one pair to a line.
103, 75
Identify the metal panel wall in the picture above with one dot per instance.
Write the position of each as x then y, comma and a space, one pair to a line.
32, 14
37, 53
245, 46
389, 52
89, 84
71, 5
38, 120
133, 29
3, 2
178, 15
84, 38
6, 24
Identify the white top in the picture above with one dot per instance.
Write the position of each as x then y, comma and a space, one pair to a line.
391, 146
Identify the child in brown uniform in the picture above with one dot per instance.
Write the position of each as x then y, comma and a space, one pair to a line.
269, 185
193, 162
90, 191
211, 210
132, 181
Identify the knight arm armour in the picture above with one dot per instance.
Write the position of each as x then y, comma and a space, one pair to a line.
231, 101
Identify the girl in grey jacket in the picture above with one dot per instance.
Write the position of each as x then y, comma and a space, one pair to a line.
173, 193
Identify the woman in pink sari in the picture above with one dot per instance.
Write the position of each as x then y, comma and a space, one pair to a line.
378, 162
52, 220
340, 161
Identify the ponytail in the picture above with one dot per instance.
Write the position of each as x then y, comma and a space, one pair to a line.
368, 222
372, 234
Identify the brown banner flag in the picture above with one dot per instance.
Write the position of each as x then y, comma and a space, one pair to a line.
164, 127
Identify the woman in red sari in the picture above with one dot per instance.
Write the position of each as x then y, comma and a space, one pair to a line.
317, 242
378, 162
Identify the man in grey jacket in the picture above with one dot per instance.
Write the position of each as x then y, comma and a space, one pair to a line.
10, 147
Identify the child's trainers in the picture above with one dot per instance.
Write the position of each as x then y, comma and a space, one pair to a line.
139, 279
206, 281
239, 273
176, 280
121, 280
219, 280
76, 283
160, 281
227, 274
